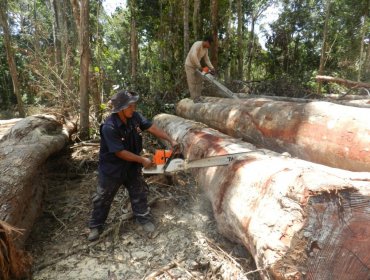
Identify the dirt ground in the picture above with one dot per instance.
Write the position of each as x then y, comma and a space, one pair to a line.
185, 244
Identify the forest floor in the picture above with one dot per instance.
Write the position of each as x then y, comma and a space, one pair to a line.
185, 244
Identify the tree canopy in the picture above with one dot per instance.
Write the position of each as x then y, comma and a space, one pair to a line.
141, 46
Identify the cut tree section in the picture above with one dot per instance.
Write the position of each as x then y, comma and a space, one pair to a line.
23, 151
298, 219
321, 132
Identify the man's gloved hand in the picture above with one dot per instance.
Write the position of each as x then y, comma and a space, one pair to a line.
212, 71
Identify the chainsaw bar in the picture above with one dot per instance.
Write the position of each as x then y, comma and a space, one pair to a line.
179, 164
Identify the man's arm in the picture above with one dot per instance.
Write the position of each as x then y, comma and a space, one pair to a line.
128, 156
159, 133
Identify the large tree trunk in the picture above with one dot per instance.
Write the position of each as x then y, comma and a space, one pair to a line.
214, 23
23, 150
324, 55
185, 4
240, 38
321, 132
361, 101
134, 48
298, 219
196, 16
84, 69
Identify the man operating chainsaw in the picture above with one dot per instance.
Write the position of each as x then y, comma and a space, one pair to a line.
198, 51
120, 162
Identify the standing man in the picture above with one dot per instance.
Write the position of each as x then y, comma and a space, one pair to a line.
120, 162
197, 51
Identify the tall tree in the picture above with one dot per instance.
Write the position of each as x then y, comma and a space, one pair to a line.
364, 29
84, 69
227, 41
133, 43
186, 27
54, 8
10, 56
324, 44
196, 19
257, 8
239, 8
214, 22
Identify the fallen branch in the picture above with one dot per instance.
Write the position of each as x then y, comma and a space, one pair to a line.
163, 269
347, 83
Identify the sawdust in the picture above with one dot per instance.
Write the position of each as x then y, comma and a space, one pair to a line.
185, 245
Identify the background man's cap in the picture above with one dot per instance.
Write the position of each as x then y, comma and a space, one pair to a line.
121, 100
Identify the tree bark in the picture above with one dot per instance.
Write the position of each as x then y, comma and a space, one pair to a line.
251, 46
320, 132
23, 151
214, 22
186, 27
364, 29
227, 41
299, 220
347, 83
196, 19
84, 69
240, 38
323, 55
134, 49
10, 57
56, 34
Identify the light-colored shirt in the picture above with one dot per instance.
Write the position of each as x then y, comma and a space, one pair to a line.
196, 53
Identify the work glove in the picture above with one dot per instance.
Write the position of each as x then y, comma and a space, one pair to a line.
212, 71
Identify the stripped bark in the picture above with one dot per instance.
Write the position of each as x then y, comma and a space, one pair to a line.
360, 101
23, 150
320, 132
298, 219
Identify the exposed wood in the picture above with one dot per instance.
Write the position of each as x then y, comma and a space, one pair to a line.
320, 132
298, 219
361, 101
5, 125
347, 83
23, 150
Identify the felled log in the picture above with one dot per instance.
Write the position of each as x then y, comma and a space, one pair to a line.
360, 101
347, 83
298, 219
23, 150
321, 132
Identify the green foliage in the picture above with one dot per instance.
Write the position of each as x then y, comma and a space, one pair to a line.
288, 63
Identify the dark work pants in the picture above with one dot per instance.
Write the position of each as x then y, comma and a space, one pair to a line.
107, 189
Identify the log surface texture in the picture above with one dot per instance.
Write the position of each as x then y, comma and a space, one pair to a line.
23, 151
321, 132
298, 219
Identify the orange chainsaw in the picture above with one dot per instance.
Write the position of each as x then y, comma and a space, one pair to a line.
167, 161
